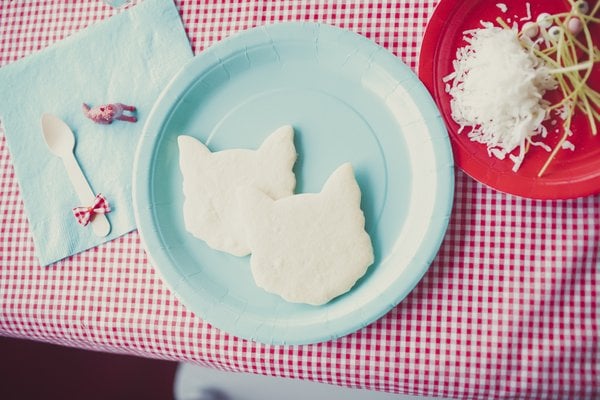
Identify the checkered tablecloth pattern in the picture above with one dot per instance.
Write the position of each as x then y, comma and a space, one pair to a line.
508, 309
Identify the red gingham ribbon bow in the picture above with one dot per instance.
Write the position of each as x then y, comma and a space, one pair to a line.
84, 214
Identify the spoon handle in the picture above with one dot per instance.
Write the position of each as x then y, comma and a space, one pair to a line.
100, 224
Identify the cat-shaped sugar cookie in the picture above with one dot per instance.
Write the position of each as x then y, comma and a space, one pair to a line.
210, 182
308, 248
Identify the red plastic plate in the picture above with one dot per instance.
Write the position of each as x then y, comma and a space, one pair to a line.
572, 173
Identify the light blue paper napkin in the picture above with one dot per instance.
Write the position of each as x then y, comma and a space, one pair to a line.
116, 3
128, 58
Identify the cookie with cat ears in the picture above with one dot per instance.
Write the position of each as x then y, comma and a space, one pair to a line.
210, 181
311, 247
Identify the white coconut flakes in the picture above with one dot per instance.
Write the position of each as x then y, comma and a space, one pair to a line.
497, 90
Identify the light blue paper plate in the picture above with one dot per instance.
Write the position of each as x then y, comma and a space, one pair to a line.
348, 99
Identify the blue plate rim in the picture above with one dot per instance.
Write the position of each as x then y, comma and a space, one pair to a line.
150, 234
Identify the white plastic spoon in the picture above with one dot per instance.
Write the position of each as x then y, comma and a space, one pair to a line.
61, 141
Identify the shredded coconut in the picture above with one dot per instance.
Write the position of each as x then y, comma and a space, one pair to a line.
528, 16
568, 145
502, 7
564, 111
497, 89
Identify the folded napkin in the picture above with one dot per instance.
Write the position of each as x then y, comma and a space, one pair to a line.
128, 58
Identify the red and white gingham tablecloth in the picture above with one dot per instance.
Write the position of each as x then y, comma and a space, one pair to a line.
508, 309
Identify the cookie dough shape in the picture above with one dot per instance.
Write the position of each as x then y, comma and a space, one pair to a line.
210, 182
308, 248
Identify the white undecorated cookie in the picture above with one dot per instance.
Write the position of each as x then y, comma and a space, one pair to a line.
308, 248
210, 182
